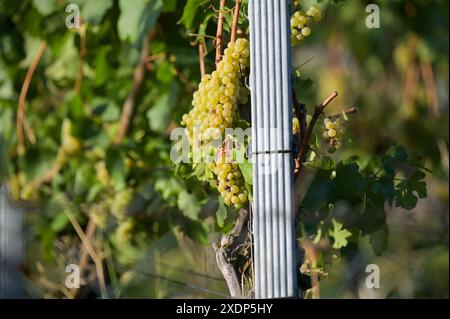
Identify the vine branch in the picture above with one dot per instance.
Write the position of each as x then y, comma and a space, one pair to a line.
234, 26
228, 244
20, 119
300, 110
218, 41
90, 232
87, 245
307, 138
138, 79
348, 111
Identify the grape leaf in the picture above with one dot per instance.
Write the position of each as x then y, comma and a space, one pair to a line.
247, 172
45, 7
190, 11
397, 153
159, 114
221, 213
59, 222
93, 11
136, 18
302, 85
169, 5
319, 192
202, 172
324, 162
340, 235
349, 181
189, 205
410, 190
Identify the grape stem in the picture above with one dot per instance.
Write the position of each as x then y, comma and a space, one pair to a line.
351, 110
84, 259
201, 53
218, 41
307, 138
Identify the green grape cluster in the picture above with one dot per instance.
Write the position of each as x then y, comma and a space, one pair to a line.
231, 185
301, 23
333, 131
215, 106
218, 95
121, 202
124, 231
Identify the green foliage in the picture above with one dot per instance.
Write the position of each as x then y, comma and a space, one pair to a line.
124, 188
132, 190
357, 196
136, 18
221, 212
340, 235
190, 12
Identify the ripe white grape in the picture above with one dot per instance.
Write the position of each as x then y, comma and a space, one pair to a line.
306, 31
301, 23
215, 105
332, 133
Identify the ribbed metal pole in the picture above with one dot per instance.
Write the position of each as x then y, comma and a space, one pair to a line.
273, 218
11, 250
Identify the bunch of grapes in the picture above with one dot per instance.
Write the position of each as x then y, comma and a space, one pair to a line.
215, 106
216, 100
231, 185
301, 21
333, 131
121, 203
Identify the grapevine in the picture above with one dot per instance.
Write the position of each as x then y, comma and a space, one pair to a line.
85, 154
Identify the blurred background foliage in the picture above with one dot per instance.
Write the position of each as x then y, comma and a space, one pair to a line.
150, 227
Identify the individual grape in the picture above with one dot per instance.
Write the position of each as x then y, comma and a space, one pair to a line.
295, 126
306, 31
332, 133
70, 144
329, 125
